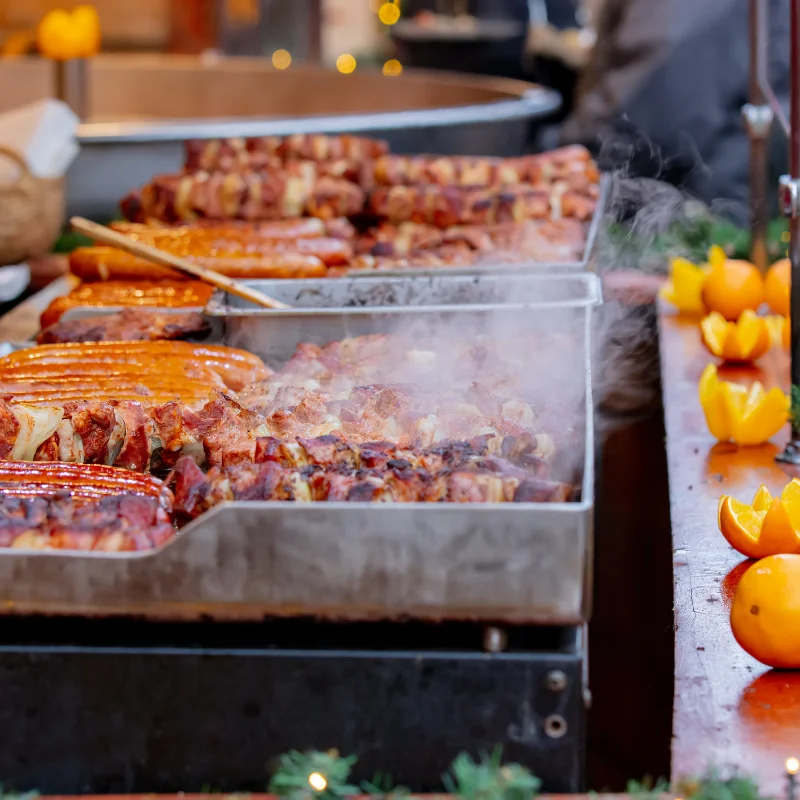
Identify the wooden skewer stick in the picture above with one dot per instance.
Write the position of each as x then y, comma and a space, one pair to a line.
106, 236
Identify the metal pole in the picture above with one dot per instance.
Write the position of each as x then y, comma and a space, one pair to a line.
758, 118
72, 85
789, 194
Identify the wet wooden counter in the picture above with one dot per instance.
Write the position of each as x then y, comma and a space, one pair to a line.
728, 709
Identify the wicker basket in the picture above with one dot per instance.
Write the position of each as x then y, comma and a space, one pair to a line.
31, 213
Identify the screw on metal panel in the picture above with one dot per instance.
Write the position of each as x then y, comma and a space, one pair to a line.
555, 726
494, 640
556, 681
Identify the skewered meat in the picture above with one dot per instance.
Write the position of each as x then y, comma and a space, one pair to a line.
402, 478
127, 326
151, 372
264, 152
104, 263
294, 191
129, 434
101, 294
444, 206
573, 165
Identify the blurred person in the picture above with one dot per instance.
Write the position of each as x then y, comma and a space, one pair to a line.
663, 91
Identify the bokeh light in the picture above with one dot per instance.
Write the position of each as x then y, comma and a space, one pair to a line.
346, 63
281, 59
389, 13
392, 67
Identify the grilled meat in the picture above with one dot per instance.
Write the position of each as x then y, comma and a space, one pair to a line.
270, 152
445, 206
150, 372
82, 507
294, 191
103, 294
405, 477
301, 228
103, 263
112, 524
572, 165
128, 325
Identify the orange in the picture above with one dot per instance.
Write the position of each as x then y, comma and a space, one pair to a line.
57, 37
742, 341
765, 612
776, 284
767, 527
732, 286
684, 286
735, 413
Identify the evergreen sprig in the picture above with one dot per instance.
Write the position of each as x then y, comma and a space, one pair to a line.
490, 779
291, 778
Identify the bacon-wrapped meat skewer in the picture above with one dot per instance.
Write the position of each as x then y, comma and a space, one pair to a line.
295, 191
267, 152
444, 206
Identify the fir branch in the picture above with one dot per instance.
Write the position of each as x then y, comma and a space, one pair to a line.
291, 778
382, 787
490, 779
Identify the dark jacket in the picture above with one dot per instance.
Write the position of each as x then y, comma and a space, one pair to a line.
663, 93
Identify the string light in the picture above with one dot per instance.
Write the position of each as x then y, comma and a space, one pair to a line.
389, 13
281, 59
346, 63
392, 68
317, 782
792, 765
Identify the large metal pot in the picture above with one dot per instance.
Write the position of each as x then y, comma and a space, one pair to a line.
140, 108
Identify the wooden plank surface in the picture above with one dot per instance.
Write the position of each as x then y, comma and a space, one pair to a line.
729, 709
22, 323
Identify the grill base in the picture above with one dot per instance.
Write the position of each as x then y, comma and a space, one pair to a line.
119, 706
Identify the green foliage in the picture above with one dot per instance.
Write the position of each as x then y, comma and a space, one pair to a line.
717, 787
291, 776
12, 795
647, 788
382, 786
490, 779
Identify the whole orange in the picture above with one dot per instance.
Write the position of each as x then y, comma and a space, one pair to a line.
777, 283
732, 287
765, 612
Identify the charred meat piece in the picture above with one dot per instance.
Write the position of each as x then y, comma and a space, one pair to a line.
128, 325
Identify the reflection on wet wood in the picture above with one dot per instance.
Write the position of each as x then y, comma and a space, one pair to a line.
729, 709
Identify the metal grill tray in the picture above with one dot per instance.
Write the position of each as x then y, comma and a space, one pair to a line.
517, 562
